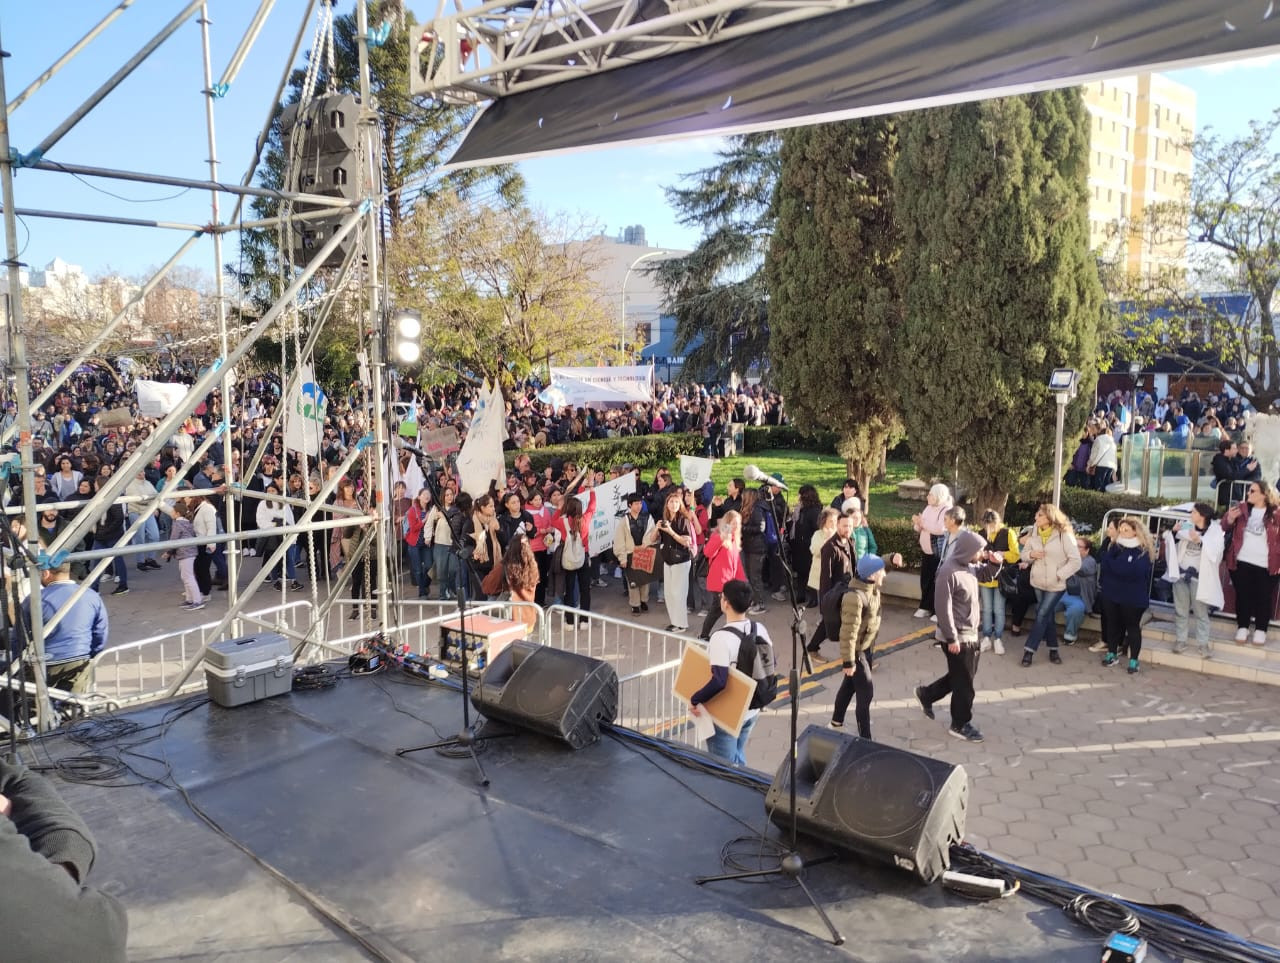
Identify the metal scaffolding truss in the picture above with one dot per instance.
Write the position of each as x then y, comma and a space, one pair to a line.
357, 218
500, 48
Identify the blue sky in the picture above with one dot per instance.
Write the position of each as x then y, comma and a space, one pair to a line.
155, 122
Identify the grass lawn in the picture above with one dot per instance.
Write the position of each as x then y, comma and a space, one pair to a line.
824, 472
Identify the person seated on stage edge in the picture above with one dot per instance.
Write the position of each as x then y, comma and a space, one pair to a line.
69, 649
46, 911
722, 651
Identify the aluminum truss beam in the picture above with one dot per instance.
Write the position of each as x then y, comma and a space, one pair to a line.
502, 47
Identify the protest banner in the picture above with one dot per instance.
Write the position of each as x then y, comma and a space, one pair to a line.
157, 398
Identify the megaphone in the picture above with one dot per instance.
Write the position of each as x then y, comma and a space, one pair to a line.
752, 473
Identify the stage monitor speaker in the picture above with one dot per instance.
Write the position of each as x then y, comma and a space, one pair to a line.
557, 693
882, 802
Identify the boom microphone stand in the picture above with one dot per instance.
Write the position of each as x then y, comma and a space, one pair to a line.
467, 736
791, 865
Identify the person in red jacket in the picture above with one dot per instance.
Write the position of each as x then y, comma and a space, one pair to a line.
418, 540
723, 552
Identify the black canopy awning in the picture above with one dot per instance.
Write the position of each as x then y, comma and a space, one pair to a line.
875, 58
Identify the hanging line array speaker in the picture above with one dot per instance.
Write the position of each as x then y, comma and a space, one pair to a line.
556, 693
886, 803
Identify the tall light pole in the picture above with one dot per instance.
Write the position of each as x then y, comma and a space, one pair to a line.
622, 298
1062, 384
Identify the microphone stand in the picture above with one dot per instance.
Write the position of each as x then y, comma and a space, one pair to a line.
467, 738
791, 865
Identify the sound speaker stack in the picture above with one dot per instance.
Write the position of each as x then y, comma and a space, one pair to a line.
550, 691
885, 803
321, 139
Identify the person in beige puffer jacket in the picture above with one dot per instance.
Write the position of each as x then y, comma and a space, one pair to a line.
1051, 550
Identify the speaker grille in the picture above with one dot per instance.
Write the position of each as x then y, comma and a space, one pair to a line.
883, 794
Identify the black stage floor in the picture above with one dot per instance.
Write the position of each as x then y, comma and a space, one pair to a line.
568, 855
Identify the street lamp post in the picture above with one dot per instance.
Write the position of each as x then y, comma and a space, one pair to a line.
1063, 385
622, 299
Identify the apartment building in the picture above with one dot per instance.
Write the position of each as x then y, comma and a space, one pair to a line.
1137, 160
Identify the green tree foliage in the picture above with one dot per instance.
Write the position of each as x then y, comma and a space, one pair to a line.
999, 285
834, 307
717, 291
416, 139
501, 290
1227, 232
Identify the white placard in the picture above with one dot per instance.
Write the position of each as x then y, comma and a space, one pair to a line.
157, 398
694, 471
611, 499
304, 417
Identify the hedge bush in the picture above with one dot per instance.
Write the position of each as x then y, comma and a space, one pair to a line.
643, 451
896, 535
785, 436
1086, 507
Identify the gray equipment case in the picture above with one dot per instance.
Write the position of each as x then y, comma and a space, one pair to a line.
239, 671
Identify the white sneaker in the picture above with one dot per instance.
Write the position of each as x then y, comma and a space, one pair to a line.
985, 644
1260, 637
1242, 636
920, 614
1098, 647
933, 618
998, 646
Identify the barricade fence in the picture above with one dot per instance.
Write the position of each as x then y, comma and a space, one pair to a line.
645, 659
140, 671
1160, 590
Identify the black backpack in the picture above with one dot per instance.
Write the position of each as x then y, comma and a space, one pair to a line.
757, 653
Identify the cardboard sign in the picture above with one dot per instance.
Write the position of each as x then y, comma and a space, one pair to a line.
643, 566
729, 708
115, 418
611, 502
439, 443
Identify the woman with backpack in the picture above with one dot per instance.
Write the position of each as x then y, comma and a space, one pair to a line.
573, 529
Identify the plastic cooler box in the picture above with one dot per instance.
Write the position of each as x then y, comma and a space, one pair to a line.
238, 671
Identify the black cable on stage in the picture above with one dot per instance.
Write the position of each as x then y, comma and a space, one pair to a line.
1174, 930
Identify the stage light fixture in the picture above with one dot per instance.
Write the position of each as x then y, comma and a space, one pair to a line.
407, 332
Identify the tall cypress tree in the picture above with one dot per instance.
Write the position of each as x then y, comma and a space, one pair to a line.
999, 285
833, 300
717, 290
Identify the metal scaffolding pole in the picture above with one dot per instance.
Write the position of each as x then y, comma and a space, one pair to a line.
106, 219
66, 58
369, 143
114, 81
18, 358
220, 297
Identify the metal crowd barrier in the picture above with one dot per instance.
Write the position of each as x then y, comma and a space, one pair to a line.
141, 671
1158, 521
646, 661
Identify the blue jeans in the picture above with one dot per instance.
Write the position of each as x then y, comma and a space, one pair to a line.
731, 750
1073, 608
420, 558
446, 574
993, 602
120, 569
148, 534
1046, 624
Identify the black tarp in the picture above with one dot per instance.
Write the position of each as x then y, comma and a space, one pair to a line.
875, 58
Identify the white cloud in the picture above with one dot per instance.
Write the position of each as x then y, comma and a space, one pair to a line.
1249, 63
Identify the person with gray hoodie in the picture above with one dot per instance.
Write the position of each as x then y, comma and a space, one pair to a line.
957, 604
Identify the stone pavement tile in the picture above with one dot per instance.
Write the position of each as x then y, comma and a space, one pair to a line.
1092, 822
1061, 850
1143, 880
1163, 862
1238, 907
1217, 849
1078, 836
1257, 890
1033, 832
1174, 846
1117, 859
